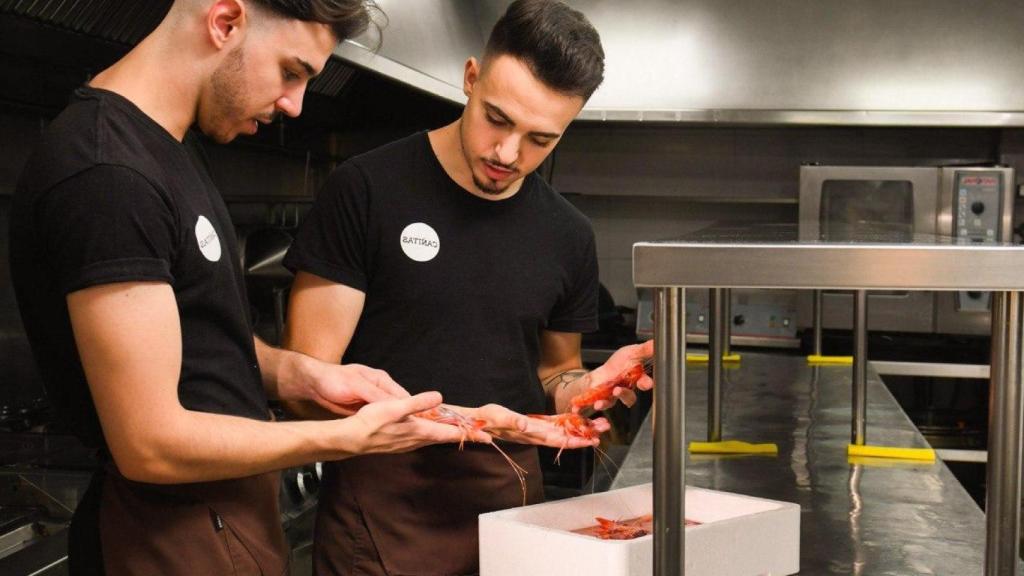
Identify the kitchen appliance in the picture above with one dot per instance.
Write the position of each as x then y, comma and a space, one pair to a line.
761, 318
894, 204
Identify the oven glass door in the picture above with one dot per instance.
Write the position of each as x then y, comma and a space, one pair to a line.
867, 210
868, 203
865, 204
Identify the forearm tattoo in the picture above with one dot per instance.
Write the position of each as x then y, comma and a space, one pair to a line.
563, 380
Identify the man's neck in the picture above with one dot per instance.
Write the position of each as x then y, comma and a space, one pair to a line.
446, 143
161, 84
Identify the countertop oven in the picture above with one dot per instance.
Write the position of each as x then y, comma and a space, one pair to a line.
893, 204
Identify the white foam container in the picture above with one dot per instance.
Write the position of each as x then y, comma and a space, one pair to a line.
738, 536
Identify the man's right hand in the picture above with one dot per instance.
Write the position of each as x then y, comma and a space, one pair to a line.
389, 426
511, 426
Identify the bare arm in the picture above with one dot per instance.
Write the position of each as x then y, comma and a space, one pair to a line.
129, 339
322, 389
561, 369
322, 317
563, 377
307, 376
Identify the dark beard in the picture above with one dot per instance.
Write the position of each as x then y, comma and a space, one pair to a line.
487, 189
480, 185
229, 87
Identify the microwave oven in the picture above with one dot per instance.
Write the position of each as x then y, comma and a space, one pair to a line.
894, 204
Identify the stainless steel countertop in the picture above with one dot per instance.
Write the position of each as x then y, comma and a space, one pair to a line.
36, 543
873, 517
771, 256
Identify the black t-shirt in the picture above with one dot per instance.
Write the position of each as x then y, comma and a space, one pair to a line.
110, 196
458, 288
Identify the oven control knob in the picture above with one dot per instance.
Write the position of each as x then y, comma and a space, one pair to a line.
739, 320
978, 207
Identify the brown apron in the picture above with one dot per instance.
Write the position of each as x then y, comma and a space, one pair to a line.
415, 514
230, 527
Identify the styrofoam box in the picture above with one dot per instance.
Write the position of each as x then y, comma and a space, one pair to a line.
738, 536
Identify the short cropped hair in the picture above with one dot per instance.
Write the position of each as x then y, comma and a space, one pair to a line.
347, 18
557, 43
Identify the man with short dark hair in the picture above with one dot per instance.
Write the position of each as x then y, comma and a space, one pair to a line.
127, 276
443, 259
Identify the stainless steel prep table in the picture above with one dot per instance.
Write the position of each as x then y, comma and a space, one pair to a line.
771, 257
871, 518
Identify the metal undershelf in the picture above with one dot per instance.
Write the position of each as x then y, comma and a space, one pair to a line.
870, 517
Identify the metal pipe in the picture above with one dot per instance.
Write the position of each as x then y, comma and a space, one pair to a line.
727, 324
860, 367
1002, 507
817, 321
669, 420
715, 334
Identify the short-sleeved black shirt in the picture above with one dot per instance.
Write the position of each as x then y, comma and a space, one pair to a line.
458, 288
110, 196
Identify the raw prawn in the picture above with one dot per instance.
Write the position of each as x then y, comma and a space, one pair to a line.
445, 415
607, 529
573, 425
624, 529
627, 379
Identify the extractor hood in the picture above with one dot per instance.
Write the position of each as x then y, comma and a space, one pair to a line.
837, 62
107, 28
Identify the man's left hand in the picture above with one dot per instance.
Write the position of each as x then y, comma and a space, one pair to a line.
621, 360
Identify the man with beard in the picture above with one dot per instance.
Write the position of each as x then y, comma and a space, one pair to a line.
126, 271
443, 259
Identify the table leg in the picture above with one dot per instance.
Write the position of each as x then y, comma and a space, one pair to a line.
1002, 507
817, 322
669, 427
716, 346
860, 367
727, 321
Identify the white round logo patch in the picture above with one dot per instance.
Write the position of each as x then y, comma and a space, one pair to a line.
420, 242
209, 243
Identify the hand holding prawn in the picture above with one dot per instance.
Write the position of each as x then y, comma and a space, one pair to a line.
504, 424
615, 379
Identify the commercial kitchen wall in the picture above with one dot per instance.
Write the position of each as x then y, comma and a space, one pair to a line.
655, 182
635, 182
